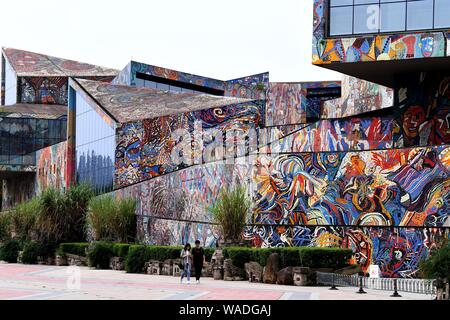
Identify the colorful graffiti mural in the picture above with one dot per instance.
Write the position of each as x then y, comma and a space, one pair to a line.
358, 96
398, 251
51, 167
183, 200
251, 87
294, 103
144, 148
337, 135
423, 110
403, 187
43, 90
371, 48
30, 64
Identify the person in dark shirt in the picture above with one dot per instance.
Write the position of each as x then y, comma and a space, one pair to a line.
198, 256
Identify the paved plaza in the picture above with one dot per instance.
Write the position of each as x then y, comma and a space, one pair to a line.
35, 282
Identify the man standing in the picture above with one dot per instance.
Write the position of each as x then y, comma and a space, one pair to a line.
199, 259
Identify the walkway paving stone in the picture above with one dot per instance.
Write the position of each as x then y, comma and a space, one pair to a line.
61, 283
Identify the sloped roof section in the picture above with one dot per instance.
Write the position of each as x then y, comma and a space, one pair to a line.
128, 103
30, 64
37, 111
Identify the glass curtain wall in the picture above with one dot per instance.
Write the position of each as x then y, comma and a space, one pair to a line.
21, 137
353, 17
95, 148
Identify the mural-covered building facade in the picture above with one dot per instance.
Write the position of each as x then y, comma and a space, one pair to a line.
361, 163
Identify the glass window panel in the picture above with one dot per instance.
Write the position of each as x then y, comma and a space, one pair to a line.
139, 82
393, 16
162, 86
420, 15
442, 14
366, 1
341, 20
366, 19
340, 2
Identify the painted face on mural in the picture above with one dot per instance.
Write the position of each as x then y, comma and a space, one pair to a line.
442, 121
412, 119
427, 43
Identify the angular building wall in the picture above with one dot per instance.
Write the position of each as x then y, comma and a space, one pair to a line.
51, 165
95, 146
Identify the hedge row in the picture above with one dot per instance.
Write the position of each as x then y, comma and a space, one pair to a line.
76, 248
99, 254
31, 250
313, 257
138, 255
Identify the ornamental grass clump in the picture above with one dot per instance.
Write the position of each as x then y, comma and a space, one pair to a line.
112, 219
231, 211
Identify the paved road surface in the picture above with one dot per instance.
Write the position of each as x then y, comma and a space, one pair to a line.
35, 282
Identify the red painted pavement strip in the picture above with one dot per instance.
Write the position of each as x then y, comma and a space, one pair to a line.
16, 294
7, 270
19, 272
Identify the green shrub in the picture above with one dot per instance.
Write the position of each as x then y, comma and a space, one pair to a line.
162, 253
31, 251
24, 218
239, 256
112, 219
313, 257
99, 255
5, 226
230, 211
208, 253
121, 249
316, 257
138, 255
78, 249
438, 263
9, 250
136, 259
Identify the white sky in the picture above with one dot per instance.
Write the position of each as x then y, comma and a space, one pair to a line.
222, 39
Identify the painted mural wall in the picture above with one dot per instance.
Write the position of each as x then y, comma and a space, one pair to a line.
396, 187
397, 251
175, 208
251, 87
349, 134
289, 103
423, 112
144, 148
358, 96
371, 48
51, 167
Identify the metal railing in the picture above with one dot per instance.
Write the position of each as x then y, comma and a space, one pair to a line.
420, 286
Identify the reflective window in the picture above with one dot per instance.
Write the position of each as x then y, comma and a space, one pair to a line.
21, 137
392, 16
95, 148
353, 17
442, 14
420, 15
341, 20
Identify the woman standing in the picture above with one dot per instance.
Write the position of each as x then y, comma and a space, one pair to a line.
186, 259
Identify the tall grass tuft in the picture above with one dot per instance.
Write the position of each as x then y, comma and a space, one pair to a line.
230, 211
112, 219
62, 214
5, 226
23, 220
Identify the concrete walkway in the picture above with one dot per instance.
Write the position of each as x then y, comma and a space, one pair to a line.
36, 282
